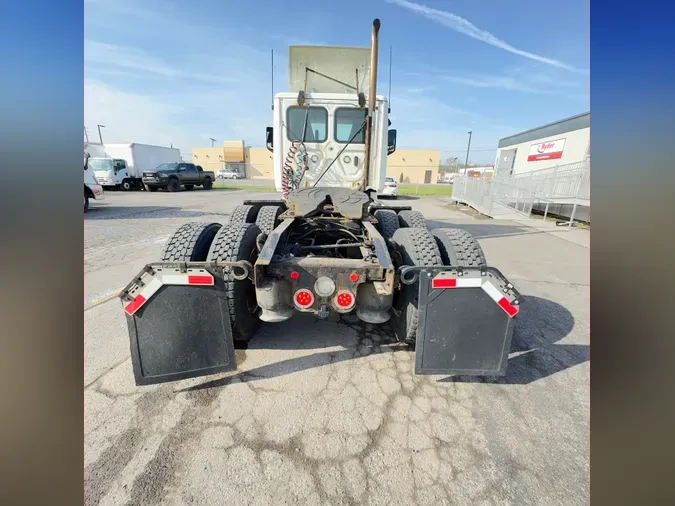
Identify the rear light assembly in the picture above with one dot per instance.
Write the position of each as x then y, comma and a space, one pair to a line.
303, 298
345, 299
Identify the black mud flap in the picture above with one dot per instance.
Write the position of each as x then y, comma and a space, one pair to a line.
465, 320
179, 323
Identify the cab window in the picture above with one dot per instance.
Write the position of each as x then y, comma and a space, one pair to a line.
316, 128
348, 120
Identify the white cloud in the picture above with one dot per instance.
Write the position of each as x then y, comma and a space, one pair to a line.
506, 83
130, 117
111, 57
465, 27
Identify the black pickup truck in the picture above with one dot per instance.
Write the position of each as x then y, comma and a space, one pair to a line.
172, 176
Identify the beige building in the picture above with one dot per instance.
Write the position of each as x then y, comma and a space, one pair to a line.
412, 166
408, 166
215, 158
259, 163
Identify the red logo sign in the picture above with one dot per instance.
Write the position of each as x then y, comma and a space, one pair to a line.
544, 146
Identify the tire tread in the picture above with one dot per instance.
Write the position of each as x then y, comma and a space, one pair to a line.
190, 242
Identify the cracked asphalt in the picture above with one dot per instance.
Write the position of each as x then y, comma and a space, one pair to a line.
329, 412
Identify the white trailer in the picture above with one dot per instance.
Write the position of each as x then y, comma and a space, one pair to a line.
123, 164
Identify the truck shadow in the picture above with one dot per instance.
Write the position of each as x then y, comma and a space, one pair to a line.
485, 230
540, 324
115, 212
535, 351
393, 201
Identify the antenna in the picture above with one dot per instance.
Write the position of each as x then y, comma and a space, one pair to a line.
213, 141
389, 79
272, 79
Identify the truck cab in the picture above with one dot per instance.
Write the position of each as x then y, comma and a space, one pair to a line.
333, 137
92, 190
318, 135
109, 172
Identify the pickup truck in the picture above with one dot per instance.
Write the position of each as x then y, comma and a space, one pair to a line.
172, 176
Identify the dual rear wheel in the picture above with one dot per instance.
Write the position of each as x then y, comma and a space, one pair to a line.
412, 243
236, 241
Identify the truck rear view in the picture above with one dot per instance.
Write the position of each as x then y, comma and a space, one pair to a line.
324, 249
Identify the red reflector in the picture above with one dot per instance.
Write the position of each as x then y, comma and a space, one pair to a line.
344, 299
295, 275
135, 304
200, 280
444, 283
510, 309
304, 298
353, 277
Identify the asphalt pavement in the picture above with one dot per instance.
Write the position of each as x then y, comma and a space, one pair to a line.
329, 412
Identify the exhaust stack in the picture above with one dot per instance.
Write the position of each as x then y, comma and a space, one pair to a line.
371, 101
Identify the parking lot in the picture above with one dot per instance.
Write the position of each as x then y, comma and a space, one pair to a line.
329, 412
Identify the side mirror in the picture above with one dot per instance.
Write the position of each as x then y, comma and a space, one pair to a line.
391, 141
269, 142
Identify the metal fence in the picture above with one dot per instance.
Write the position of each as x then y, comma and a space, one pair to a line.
563, 184
570, 181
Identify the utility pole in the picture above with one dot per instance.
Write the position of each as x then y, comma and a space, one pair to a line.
466, 164
213, 141
100, 138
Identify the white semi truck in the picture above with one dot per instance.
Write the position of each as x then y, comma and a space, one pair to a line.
122, 165
330, 246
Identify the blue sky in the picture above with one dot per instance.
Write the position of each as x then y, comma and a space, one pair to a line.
162, 71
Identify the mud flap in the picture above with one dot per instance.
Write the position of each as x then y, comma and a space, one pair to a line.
179, 323
465, 320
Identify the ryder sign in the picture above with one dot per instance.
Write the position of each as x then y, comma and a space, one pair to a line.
550, 150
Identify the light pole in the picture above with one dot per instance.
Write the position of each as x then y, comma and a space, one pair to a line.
99, 133
466, 164
213, 141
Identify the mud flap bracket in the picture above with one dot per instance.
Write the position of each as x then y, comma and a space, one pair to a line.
465, 320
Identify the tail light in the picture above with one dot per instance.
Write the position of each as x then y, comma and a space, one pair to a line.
304, 298
345, 299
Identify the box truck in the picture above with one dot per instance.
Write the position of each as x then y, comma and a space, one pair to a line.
122, 165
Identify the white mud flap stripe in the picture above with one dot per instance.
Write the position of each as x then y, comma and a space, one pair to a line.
442, 280
158, 280
499, 298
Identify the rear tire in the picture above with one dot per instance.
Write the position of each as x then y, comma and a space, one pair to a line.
207, 184
243, 214
459, 247
387, 222
412, 219
173, 185
86, 203
268, 218
191, 242
234, 243
189, 187
417, 247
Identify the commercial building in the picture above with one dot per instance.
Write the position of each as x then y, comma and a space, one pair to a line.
551, 166
407, 166
561, 143
214, 158
414, 166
